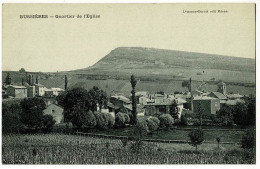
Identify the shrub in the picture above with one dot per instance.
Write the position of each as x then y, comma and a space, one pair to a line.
153, 124
90, 121
141, 128
111, 120
124, 142
196, 138
166, 121
120, 120
48, 123
102, 121
248, 140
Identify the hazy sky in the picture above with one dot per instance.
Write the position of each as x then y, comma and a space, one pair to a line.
66, 44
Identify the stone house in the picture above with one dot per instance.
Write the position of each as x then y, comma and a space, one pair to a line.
16, 91
56, 111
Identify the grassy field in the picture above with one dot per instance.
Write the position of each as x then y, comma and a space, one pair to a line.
70, 149
174, 134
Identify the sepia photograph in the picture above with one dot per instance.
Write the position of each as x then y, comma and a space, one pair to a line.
111, 83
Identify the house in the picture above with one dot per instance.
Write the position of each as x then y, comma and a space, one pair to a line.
39, 89
158, 108
16, 91
141, 97
48, 92
222, 98
30, 91
56, 111
234, 96
119, 101
57, 91
208, 105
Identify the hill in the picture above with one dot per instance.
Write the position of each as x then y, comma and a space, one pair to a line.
156, 70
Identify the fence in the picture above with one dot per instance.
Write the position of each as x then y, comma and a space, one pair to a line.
147, 140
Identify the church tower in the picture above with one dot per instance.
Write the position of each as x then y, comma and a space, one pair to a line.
222, 88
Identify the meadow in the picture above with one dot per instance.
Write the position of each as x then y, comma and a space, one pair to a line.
72, 149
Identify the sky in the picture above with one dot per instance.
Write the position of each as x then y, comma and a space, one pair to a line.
50, 45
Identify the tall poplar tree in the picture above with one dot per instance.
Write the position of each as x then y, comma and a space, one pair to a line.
134, 112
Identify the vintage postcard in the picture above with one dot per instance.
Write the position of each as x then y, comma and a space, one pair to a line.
129, 83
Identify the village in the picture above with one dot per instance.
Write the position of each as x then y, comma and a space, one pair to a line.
148, 104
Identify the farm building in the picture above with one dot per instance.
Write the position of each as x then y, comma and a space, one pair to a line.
208, 105
16, 91
56, 111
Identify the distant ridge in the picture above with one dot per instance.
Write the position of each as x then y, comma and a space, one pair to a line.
123, 57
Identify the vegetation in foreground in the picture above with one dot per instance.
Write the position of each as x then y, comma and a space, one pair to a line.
70, 149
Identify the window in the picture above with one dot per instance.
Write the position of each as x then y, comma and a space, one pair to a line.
53, 111
162, 110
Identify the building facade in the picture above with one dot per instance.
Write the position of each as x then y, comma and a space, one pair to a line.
56, 112
16, 91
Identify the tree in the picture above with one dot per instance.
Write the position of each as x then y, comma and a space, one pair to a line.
22, 70
72, 100
8, 79
96, 97
200, 113
134, 112
30, 80
104, 120
251, 111
11, 122
196, 138
249, 140
36, 80
48, 123
77, 116
174, 110
66, 82
166, 121
32, 112
153, 124
22, 82
218, 140
185, 84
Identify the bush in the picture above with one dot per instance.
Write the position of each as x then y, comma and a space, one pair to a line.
153, 124
196, 138
120, 120
48, 123
102, 121
90, 121
111, 120
166, 121
248, 140
141, 128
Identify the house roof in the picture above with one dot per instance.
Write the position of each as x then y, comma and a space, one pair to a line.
38, 84
204, 98
234, 102
234, 96
17, 87
180, 101
141, 93
57, 89
219, 95
164, 102
122, 98
54, 105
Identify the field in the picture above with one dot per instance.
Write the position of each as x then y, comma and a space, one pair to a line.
71, 149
